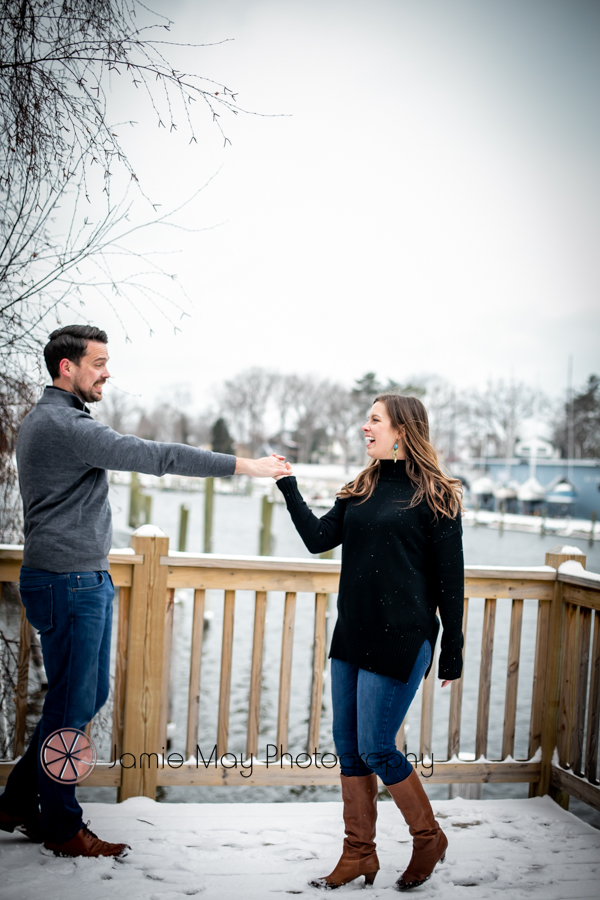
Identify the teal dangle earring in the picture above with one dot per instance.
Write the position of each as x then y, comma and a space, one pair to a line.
395, 451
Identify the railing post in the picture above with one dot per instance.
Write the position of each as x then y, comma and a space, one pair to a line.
145, 666
554, 558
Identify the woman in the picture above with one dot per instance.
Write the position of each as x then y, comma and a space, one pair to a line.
400, 529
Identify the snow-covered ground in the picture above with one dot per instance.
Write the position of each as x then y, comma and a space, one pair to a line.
537, 524
253, 851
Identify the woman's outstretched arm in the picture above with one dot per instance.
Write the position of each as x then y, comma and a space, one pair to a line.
450, 568
318, 534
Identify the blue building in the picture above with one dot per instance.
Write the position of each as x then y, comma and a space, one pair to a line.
579, 500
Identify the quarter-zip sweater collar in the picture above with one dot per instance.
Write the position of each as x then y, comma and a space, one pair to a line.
69, 400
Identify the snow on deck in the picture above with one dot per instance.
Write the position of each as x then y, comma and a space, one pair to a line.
254, 851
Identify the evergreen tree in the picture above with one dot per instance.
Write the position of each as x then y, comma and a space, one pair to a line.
585, 419
364, 393
221, 439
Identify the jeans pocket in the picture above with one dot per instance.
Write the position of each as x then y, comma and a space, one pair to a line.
38, 605
88, 581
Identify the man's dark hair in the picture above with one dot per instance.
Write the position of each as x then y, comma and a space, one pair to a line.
70, 343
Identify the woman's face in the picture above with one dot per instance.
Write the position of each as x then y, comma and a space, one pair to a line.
380, 434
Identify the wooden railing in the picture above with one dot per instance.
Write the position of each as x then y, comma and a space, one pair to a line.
565, 695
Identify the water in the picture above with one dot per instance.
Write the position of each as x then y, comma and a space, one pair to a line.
236, 531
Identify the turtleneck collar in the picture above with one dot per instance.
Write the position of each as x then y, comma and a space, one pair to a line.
392, 471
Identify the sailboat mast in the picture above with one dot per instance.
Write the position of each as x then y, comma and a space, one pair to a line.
570, 422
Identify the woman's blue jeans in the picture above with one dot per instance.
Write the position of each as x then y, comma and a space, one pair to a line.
73, 614
368, 710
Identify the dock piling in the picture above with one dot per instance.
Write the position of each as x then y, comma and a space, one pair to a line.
265, 540
209, 496
184, 513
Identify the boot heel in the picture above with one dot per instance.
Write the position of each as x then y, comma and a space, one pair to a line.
370, 878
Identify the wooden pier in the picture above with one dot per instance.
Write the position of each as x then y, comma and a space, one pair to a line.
565, 701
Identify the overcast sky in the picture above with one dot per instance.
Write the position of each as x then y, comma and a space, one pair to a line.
427, 202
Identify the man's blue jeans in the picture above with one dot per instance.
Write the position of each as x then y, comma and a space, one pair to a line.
368, 710
73, 614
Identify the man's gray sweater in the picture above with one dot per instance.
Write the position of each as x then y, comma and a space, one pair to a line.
62, 458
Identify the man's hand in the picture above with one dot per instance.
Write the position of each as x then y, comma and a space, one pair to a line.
267, 467
288, 471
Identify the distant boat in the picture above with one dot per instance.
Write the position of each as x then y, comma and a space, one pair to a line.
561, 498
483, 490
531, 491
506, 496
483, 487
531, 495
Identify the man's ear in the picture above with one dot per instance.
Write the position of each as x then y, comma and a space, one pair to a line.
65, 367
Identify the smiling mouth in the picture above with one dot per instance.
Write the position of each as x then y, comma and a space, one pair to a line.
370, 440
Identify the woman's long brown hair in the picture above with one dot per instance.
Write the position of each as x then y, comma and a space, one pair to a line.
442, 492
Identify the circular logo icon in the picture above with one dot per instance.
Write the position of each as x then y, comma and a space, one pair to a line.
68, 756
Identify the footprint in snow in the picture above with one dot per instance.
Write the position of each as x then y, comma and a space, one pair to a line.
294, 855
177, 894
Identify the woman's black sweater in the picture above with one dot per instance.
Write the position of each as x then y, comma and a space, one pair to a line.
399, 564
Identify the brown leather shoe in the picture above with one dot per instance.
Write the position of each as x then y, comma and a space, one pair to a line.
359, 793
86, 843
429, 841
29, 824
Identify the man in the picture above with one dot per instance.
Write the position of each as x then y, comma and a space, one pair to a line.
66, 589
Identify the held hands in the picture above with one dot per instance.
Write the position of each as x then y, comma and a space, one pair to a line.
266, 467
288, 471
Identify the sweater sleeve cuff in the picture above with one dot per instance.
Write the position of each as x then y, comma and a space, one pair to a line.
451, 664
288, 486
225, 463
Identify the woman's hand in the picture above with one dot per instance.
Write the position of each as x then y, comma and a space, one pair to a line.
266, 467
446, 683
288, 471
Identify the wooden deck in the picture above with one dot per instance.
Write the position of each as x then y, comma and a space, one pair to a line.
564, 710
509, 849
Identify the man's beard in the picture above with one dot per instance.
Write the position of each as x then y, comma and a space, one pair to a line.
87, 396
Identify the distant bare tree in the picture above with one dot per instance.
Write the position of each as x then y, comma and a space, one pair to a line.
310, 402
244, 399
285, 398
55, 62
448, 414
344, 423
66, 183
118, 411
172, 420
17, 396
156, 424
496, 414
201, 429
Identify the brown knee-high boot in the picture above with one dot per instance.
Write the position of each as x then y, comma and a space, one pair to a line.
359, 794
429, 841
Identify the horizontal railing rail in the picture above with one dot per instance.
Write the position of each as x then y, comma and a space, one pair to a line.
565, 688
